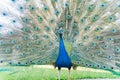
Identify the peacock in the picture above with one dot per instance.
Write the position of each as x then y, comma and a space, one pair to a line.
63, 33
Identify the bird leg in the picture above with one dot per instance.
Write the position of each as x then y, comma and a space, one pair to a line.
58, 74
69, 74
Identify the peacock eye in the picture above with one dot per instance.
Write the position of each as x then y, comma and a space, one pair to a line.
25, 37
54, 0
77, 11
103, 5
105, 46
75, 32
68, 17
29, 44
21, 7
61, 24
113, 30
1, 61
19, 46
8, 50
1, 25
109, 57
66, 5
36, 29
25, 29
33, 50
45, 8
13, 41
1, 43
10, 63
110, 39
11, 33
111, 18
52, 21
104, 67
35, 37
82, 19
40, 18
14, 21
46, 36
25, 20
74, 24
117, 50
4, 14
31, 61
90, 8
111, 67
31, 8
13, 0
47, 28
38, 42
19, 62
57, 12
119, 5
95, 17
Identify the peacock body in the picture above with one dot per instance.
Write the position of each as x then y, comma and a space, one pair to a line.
65, 33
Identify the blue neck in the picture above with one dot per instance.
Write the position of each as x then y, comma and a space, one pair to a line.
63, 59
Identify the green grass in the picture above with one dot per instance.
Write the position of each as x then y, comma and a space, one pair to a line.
46, 73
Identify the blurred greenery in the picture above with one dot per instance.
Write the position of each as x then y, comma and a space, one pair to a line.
49, 73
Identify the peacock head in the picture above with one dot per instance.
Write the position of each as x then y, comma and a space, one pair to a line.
61, 30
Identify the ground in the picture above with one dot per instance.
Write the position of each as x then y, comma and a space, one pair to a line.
49, 73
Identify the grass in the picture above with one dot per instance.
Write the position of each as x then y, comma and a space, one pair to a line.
49, 73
